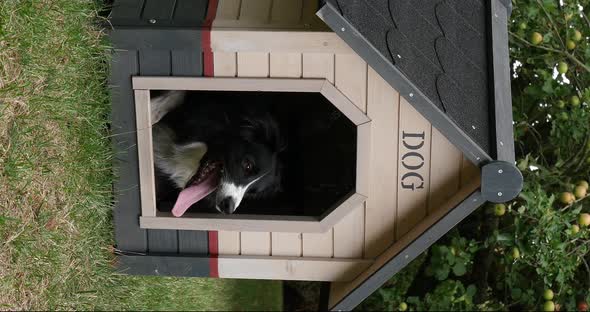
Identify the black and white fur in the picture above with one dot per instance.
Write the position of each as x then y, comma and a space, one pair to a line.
191, 130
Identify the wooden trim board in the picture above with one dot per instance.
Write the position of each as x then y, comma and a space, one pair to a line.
277, 41
346, 106
247, 267
145, 153
291, 268
227, 84
253, 223
156, 220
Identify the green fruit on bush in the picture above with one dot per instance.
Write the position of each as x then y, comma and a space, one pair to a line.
580, 191
566, 198
536, 38
577, 36
549, 306
515, 253
570, 44
575, 229
583, 183
575, 101
523, 26
562, 67
403, 306
548, 294
564, 116
499, 209
560, 104
584, 219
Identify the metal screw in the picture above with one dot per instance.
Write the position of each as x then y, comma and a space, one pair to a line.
152, 21
399, 56
343, 29
411, 94
499, 194
500, 171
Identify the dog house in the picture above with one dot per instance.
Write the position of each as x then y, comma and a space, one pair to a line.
424, 86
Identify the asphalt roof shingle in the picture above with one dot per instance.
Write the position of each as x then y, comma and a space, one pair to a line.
440, 46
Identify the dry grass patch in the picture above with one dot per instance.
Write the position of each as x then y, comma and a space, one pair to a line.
55, 175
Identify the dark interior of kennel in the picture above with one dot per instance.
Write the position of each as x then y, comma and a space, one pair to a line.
319, 162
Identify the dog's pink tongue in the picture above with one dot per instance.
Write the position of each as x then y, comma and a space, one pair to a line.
193, 194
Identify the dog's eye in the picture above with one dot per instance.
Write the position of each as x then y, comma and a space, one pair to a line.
247, 166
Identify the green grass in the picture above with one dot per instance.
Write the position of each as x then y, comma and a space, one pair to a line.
56, 177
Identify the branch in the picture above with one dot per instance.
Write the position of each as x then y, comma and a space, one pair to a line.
533, 45
575, 60
567, 54
575, 202
552, 23
586, 18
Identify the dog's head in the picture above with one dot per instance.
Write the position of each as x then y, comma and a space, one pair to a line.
242, 162
250, 163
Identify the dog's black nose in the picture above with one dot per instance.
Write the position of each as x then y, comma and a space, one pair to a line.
227, 205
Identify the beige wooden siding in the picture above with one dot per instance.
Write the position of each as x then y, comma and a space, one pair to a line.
350, 78
445, 170
385, 217
409, 185
383, 109
283, 14
413, 168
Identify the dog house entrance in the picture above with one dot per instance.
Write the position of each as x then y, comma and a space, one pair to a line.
319, 162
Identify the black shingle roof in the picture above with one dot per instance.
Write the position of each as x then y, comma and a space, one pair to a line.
449, 59
440, 46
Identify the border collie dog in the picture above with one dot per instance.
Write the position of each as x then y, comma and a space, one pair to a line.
210, 148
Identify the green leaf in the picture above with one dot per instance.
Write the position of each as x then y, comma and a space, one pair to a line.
516, 293
459, 269
548, 86
442, 274
471, 290
450, 258
503, 237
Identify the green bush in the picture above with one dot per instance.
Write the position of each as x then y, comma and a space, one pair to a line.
507, 262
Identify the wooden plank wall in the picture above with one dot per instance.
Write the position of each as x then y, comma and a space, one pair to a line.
284, 14
413, 168
153, 59
402, 189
